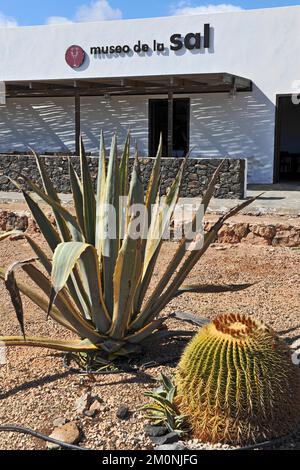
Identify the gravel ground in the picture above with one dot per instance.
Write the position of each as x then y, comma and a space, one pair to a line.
36, 388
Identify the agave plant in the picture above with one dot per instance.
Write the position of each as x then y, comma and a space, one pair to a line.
93, 284
163, 410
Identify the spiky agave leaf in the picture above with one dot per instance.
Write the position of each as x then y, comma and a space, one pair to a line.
67, 225
66, 222
124, 181
65, 258
38, 299
163, 410
69, 228
151, 311
89, 200
14, 292
110, 235
100, 198
129, 265
124, 189
152, 200
64, 304
160, 222
77, 192
99, 282
182, 248
49, 343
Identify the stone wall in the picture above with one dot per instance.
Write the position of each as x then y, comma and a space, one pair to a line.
196, 177
269, 233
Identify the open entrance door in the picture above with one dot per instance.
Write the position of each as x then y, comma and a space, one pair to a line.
158, 123
287, 151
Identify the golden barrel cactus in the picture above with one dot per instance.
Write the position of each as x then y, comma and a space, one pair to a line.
236, 383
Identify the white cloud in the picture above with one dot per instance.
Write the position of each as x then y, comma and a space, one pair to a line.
98, 10
185, 8
7, 21
57, 20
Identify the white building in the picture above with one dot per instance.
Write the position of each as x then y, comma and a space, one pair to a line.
220, 83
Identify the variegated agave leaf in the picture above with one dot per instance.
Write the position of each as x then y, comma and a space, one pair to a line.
94, 281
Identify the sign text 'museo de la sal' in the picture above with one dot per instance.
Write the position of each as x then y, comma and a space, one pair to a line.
190, 41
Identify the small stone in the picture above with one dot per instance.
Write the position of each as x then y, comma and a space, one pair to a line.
220, 248
175, 446
83, 403
95, 407
17, 237
169, 438
155, 431
68, 433
58, 422
123, 412
193, 184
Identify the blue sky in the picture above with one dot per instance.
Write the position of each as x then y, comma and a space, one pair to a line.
31, 12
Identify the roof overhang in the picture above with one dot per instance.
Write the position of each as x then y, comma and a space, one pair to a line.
150, 85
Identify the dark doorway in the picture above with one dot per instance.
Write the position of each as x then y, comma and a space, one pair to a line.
287, 151
158, 123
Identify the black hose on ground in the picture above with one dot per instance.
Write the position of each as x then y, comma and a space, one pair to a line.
272, 443
38, 435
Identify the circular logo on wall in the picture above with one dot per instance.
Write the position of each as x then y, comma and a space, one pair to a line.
75, 56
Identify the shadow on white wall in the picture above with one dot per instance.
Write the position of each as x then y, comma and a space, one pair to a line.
44, 124
239, 127
118, 115
220, 126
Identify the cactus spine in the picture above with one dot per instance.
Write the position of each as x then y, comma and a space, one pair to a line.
237, 384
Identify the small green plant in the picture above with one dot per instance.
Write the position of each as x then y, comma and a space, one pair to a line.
162, 410
94, 284
236, 383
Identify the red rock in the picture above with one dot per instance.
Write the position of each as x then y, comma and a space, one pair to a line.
287, 236
233, 233
253, 239
68, 433
265, 231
